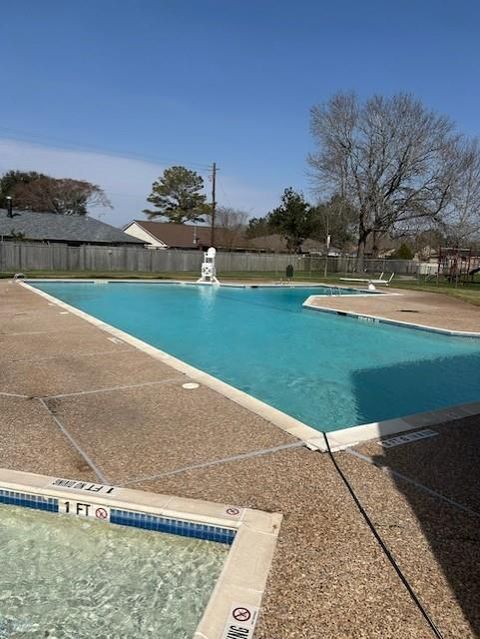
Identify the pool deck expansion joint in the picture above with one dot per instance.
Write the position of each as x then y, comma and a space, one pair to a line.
88, 460
413, 482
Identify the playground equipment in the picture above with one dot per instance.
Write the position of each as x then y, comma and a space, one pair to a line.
209, 271
457, 264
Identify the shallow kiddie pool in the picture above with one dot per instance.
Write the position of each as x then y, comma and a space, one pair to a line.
70, 577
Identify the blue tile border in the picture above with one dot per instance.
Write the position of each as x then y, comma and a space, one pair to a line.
173, 526
28, 500
122, 517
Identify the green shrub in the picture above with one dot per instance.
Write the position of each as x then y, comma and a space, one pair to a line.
404, 252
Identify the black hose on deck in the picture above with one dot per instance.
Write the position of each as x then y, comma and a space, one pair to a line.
383, 546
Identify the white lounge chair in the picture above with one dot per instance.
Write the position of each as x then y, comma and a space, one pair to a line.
380, 280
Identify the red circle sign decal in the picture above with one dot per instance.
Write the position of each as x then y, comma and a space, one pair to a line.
241, 614
101, 513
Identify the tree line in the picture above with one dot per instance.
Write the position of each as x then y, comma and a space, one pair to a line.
384, 166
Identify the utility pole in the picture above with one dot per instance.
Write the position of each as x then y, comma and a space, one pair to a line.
214, 204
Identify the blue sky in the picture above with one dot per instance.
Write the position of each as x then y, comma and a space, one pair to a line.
115, 91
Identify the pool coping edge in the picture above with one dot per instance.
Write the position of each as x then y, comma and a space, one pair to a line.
385, 320
353, 435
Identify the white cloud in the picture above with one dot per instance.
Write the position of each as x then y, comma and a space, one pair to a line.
126, 181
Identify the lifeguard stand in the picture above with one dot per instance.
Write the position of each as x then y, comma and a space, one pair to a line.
209, 271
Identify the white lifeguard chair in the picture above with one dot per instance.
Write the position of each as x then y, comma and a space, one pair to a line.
209, 271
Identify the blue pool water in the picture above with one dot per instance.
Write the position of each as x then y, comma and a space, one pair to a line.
328, 371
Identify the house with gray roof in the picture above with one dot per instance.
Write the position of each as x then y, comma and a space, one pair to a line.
74, 230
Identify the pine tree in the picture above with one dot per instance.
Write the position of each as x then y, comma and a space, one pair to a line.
177, 196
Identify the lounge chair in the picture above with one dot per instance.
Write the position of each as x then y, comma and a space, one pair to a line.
380, 280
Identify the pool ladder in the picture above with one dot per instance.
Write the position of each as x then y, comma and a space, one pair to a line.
334, 290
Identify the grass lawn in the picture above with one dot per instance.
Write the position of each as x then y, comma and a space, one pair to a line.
466, 292
103, 275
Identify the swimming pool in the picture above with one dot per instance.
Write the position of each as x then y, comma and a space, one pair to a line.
62, 576
327, 371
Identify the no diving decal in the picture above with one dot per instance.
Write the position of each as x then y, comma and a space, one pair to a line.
241, 622
84, 509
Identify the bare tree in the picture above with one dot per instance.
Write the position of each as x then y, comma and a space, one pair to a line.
462, 219
231, 224
63, 196
391, 158
335, 218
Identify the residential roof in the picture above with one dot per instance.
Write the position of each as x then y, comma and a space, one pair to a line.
62, 228
185, 235
274, 242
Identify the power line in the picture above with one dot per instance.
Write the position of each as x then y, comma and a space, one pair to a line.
224, 193
59, 143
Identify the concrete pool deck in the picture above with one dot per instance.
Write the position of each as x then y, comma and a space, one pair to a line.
76, 404
400, 305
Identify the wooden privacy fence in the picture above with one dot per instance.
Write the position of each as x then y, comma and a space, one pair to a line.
16, 256
25, 256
